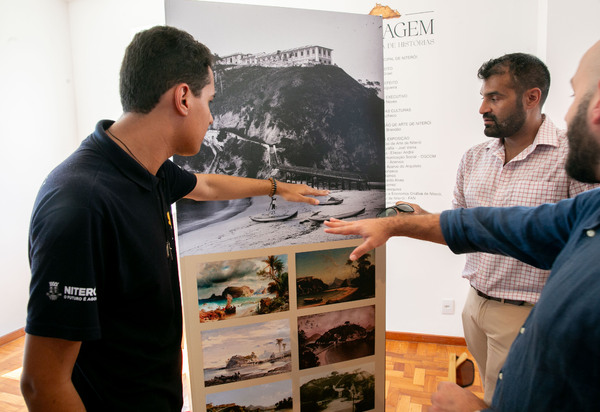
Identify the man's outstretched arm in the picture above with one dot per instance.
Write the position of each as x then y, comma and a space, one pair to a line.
375, 232
224, 187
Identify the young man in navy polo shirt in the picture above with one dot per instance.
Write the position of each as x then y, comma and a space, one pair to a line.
104, 322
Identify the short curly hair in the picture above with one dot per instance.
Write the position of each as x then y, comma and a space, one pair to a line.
158, 59
526, 70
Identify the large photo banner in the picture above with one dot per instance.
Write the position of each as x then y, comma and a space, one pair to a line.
432, 52
276, 316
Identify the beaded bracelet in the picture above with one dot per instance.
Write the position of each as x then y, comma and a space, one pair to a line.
273, 187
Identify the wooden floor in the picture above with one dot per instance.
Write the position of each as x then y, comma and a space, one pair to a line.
413, 370
11, 359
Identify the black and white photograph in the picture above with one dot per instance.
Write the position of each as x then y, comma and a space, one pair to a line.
338, 336
298, 99
345, 389
246, 352
242, 287
276, 396
325, 277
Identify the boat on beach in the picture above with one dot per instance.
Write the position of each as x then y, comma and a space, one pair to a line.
274, 217
331, 201
318, 218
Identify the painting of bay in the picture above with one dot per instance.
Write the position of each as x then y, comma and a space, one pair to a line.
246, 352
327, 277
333, 337
242, 287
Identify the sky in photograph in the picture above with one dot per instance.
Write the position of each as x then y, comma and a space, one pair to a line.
214, 277
366, 367
321, 323
326, 265
221, 344
261, 395
356, 40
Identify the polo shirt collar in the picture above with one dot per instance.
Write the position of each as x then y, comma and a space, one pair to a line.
546, 135
121, 159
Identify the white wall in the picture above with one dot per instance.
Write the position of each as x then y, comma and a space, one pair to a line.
572, 29
37, 130
100, 32
59, 75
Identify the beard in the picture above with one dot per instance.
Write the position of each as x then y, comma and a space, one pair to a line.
584, 150
507, 127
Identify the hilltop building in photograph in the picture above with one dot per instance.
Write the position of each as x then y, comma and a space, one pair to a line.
299, 56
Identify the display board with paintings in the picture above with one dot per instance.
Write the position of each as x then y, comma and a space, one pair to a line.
276, 316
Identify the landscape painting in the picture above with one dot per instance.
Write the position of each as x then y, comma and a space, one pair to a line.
343, 390
333, 337
271, 397
298, 99
246, 352
327, 276
242, 287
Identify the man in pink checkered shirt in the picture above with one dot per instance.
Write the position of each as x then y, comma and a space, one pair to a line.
524, 165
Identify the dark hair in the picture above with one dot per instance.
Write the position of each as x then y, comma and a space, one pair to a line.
527, 72
158, 59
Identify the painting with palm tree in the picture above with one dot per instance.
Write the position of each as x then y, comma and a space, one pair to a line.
245, 352
242, 287
327, 276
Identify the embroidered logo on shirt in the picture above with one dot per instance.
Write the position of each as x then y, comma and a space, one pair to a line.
53, 293
71, 293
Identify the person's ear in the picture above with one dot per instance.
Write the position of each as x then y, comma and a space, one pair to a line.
181, 100
532, 98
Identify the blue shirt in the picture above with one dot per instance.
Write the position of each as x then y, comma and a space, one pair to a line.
554, 363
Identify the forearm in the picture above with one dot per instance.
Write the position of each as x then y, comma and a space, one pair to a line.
51, 397
224, 187
46, 378
423, 227
375, 232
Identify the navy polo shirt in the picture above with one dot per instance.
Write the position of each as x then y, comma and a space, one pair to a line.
102, 274
554, 363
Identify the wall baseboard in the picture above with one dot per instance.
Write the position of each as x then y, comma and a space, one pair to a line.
12, 336
404, 336
416, 337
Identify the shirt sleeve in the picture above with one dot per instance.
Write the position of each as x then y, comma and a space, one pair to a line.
181, 182
64, 256
533, 235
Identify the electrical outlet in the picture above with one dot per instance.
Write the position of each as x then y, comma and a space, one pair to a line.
448, 306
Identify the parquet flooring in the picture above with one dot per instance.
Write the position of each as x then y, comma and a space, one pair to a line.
11, 360
413, 370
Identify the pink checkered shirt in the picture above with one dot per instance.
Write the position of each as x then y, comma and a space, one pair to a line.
534, 176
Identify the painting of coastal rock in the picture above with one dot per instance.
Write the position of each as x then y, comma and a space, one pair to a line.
243, 287
275, 396
246, 352
348, 389
327, 276
333, 337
